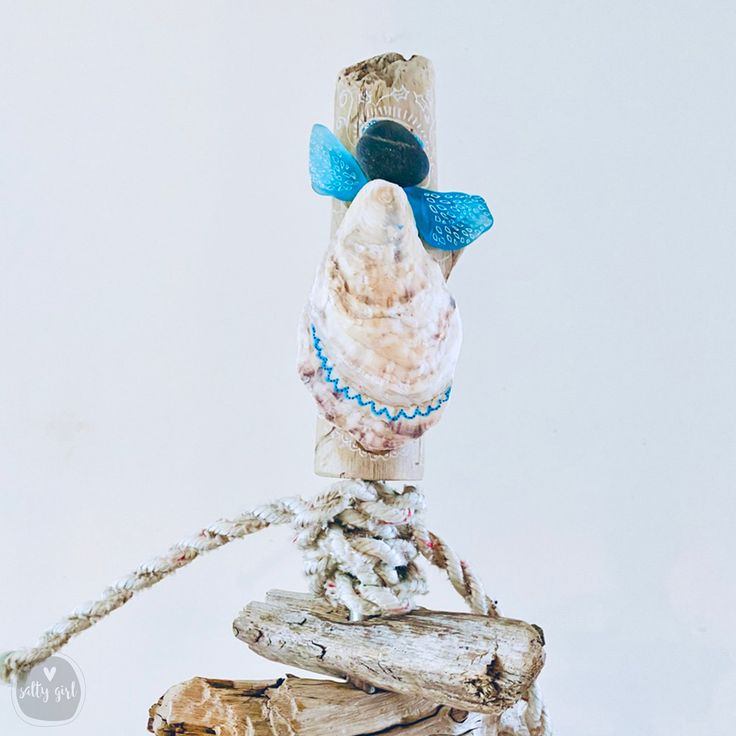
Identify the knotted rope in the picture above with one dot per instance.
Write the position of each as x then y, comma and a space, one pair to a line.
361, 542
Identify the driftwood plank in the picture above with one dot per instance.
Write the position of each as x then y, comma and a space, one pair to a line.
298, 707
470, 662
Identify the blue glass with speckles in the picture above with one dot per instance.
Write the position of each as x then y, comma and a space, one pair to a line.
445, 220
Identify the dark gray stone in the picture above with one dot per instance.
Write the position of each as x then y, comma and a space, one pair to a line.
387, 150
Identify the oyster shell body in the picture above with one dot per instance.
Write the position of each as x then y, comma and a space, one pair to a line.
381, 333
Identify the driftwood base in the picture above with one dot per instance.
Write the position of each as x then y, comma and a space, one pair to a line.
476, 663
298, 707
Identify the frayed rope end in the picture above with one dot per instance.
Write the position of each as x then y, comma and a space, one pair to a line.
5, 671
12, 674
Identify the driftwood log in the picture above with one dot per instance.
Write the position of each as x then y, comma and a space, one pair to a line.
293, 705
388, 87
463, 660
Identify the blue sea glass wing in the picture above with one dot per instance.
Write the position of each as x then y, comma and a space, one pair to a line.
333, 169
449, 220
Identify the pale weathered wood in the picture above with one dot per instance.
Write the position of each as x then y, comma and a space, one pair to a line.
204, 706
467, 661
338, 455
298, 707
385, 86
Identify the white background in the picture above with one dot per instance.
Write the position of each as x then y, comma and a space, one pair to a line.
158, 240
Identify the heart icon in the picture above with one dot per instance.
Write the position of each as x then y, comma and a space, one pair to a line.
49, 673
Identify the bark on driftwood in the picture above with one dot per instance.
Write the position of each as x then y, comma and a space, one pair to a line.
471, 662
293, 706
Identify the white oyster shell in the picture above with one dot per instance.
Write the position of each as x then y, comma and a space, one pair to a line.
386, 322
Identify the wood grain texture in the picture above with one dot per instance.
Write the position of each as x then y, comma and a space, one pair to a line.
300, 707
475, 663
338, 455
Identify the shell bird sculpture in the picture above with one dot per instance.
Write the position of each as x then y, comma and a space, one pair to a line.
381, 333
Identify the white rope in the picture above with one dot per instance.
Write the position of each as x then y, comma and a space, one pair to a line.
361, 541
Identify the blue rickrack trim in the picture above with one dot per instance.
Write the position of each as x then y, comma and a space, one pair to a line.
383, 410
